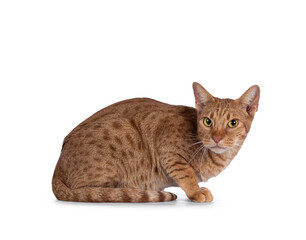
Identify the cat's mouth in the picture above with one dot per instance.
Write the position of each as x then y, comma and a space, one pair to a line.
218, 149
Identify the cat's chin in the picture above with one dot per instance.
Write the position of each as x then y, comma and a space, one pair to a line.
218, 150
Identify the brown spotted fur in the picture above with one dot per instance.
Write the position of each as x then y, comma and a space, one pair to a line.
132, 150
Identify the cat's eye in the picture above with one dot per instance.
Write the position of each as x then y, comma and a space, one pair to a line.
207, 122
233, 123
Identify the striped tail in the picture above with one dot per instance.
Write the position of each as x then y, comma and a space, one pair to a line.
99, 194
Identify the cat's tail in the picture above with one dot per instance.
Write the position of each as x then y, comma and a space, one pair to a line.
99, 194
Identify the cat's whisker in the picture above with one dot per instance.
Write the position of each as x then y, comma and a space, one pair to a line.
202, 156
235, 148
237, 145
191, 139
196, 152
193, 144
191, 136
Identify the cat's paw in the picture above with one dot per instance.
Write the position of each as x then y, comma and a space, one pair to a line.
204, 195
209, 197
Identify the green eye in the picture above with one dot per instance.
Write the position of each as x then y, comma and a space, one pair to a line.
207, 122
233, 123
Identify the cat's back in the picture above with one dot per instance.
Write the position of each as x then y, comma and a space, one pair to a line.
135, 110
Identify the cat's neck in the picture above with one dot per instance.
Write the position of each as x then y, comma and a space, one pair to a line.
210, 164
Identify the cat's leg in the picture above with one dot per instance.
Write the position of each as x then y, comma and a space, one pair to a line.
181, 172
100, 194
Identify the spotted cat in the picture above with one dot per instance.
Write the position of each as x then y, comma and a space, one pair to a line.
132, 150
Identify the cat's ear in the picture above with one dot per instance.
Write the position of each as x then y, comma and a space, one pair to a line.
202, 97
249, 100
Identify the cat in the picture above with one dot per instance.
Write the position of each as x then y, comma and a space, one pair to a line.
132, 150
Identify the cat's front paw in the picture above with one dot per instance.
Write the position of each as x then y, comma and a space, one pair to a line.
204, 195
209, 197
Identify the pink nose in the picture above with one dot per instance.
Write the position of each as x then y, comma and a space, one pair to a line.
217, 138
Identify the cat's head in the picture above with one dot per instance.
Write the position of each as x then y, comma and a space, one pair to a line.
223, 124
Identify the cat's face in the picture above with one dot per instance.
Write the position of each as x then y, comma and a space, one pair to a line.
223, 124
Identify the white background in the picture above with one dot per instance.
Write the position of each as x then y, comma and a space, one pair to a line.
61, 61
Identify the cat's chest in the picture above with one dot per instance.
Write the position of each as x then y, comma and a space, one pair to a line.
213, 164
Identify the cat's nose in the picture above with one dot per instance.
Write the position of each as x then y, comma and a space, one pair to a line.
217, 139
